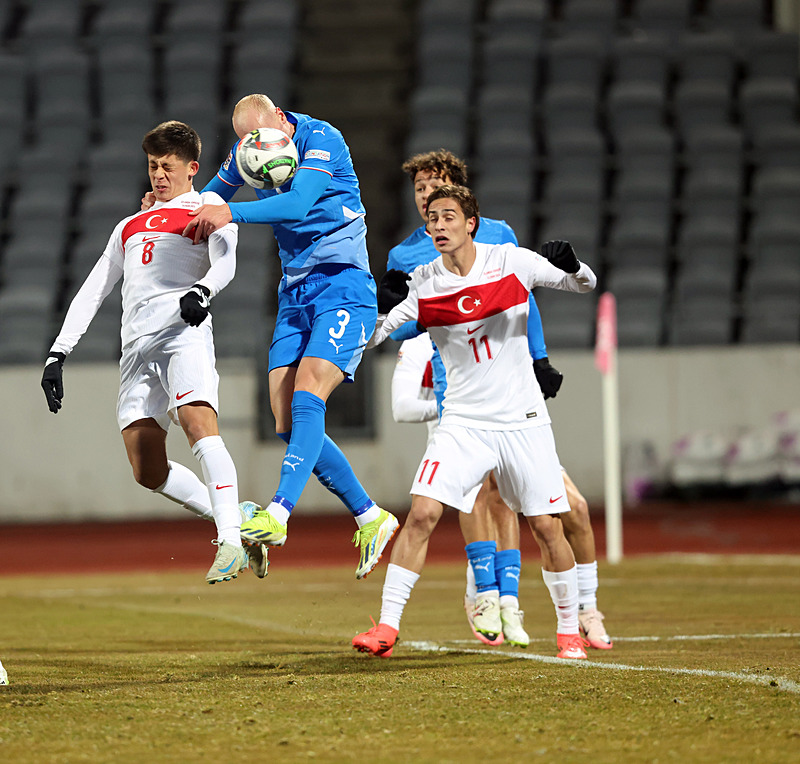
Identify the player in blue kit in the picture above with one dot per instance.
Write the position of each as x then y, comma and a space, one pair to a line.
492, 531
327, 309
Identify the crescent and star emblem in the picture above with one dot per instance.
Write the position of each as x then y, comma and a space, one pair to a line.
462, 300
161, 221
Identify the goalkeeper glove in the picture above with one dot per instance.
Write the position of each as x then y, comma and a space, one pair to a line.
549, 378
52, 381
392, 290
562, 255
194, 305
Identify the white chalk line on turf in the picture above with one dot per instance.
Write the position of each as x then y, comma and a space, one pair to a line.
778, 682
674, 638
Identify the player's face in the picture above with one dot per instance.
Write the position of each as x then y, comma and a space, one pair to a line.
425, 182
170, 176
448, 226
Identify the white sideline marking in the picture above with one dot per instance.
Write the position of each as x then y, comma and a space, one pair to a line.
779, 682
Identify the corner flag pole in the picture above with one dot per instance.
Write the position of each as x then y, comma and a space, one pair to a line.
605, 359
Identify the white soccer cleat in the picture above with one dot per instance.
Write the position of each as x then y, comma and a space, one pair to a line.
486, 616
228, 561
513, 630
469, 609
3, 675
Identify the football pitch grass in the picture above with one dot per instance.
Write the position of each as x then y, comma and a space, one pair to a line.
164, 668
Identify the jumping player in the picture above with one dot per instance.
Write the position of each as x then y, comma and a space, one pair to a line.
167, 370
473, 301
326, 311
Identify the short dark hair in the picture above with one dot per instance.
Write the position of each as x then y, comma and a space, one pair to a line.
173, 137
443, 163
465, 199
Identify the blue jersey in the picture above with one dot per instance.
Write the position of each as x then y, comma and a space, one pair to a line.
332, 231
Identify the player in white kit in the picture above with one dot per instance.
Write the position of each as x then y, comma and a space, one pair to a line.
168, 367
473, 301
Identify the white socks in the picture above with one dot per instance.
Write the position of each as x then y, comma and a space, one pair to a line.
587, 585
219, 472
184, 487
563, 588
396, 590
472, 589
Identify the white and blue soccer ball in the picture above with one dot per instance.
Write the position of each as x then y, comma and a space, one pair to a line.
266, 158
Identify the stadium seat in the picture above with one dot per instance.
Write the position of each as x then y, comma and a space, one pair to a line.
643, 155
191, 69
635, 240
768, 101
579, 16
699, 104
569, 106
126, 76
26, 321
742, 17
509, 199
704, 320
568, 319
769, 53
707, 56
708, 239
776, 193
440, 108
445, 56
631, 106
769, 319
576, 59
527, 17
119, 20
774, 241
667, 17
777, 146
507, 59
504, 153
642, 57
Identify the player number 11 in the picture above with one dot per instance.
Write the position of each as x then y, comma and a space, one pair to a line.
475, 347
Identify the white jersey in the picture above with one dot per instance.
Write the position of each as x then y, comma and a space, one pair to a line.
158, 266
412, 382
479, 325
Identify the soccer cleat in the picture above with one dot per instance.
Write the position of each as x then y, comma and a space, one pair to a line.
591, 622
571, 646
513, 630
469, 608
379, 640
373, 538
486, 616
263, 528
228, 561
257, 553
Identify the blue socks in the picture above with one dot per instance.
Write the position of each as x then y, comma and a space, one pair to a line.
481, 556
507, 567
305, 444
331, 468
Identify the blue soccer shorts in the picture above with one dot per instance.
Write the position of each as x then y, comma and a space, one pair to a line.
331, 314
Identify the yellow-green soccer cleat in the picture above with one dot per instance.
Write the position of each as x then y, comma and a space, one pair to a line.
263, 528
373, 538
228, 561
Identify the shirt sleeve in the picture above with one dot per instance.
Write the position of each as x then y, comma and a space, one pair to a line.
290, 206
407, 405
222, 254
84, 306
537, 271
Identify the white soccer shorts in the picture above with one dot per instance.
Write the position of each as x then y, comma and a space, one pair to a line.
160, 372
525, 465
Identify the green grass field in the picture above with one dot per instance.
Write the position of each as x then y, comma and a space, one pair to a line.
163, 668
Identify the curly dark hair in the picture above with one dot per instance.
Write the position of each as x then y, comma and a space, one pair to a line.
443, 163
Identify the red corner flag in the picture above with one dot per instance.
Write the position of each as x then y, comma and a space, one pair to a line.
606, 341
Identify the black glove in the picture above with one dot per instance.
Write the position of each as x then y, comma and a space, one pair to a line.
562, 255
194, 305
52, 380
549, 379
392, 290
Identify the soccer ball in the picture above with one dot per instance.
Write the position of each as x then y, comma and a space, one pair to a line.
266, 158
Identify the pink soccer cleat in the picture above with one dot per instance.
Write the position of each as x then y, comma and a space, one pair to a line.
571, 646
591, 623
379, 640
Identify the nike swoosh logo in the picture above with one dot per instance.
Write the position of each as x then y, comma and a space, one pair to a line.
149, 238
553, 501
183, 395
228, 567
220, 487
472, 331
